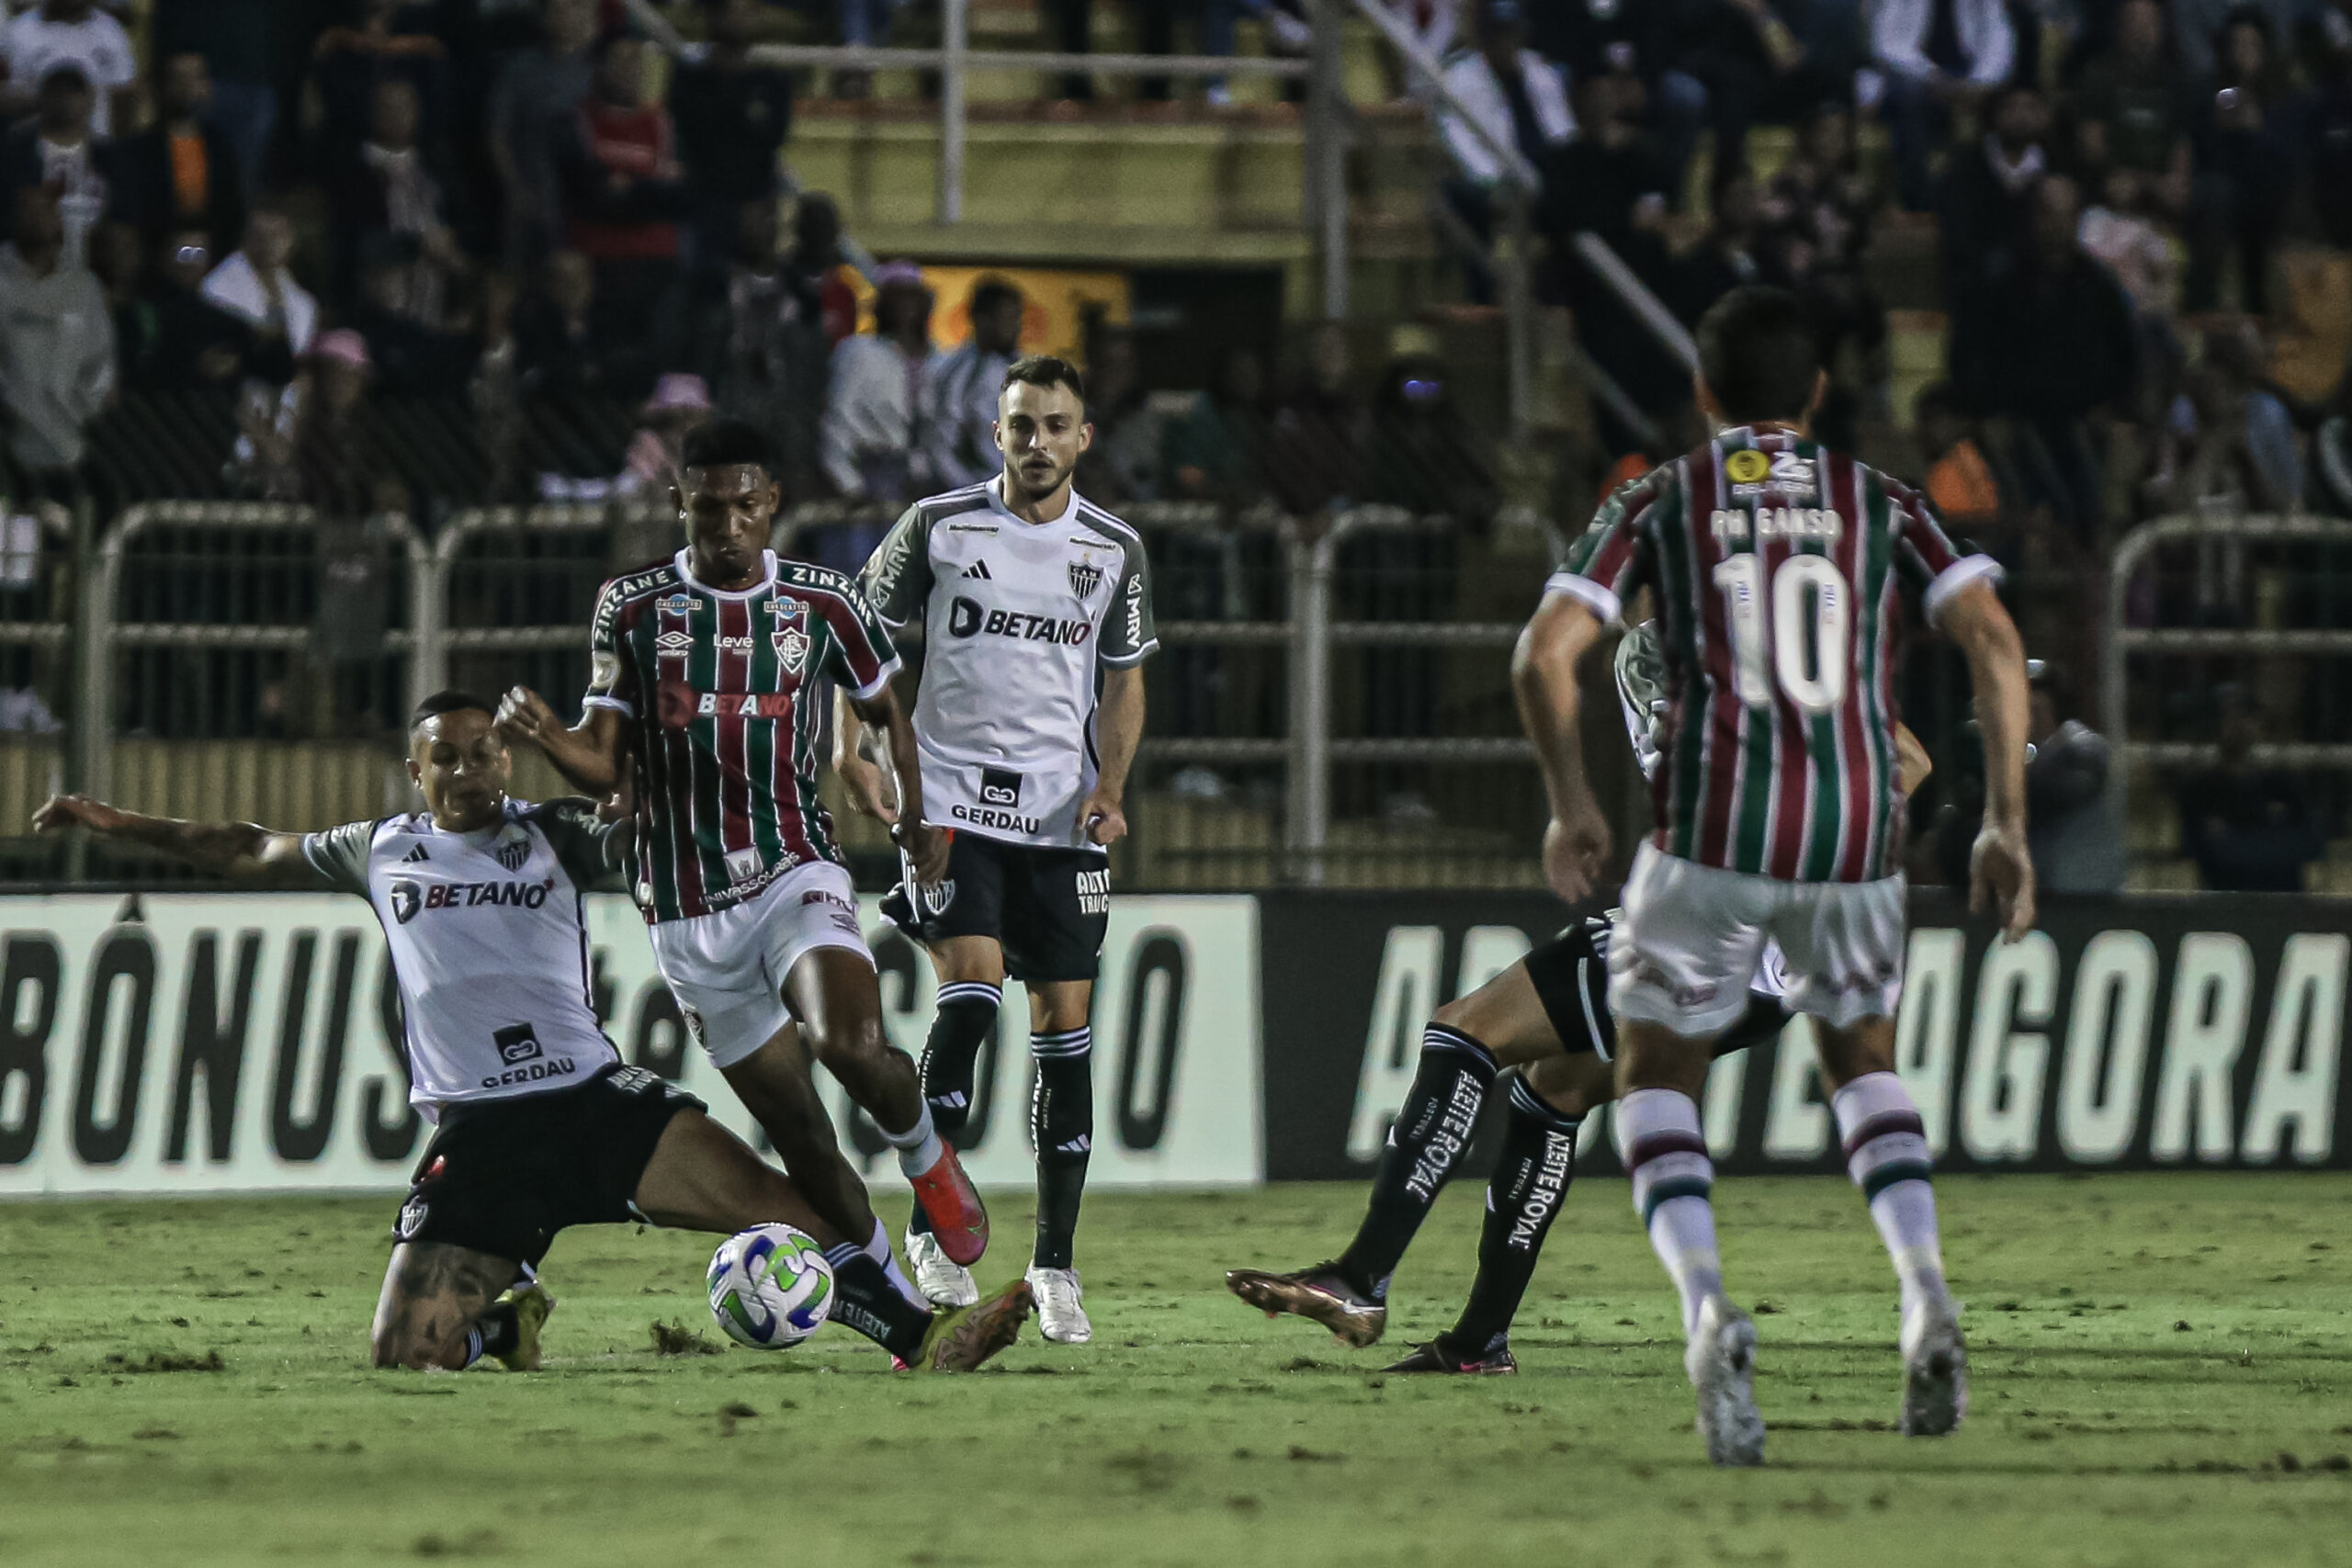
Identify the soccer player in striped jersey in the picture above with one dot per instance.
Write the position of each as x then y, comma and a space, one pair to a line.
1782, 575
704, 701
1548, 1016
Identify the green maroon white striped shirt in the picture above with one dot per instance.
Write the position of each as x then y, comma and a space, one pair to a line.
1782, 574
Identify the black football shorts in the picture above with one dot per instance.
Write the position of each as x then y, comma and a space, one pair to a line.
1047, 907
1570, 974
503, 1176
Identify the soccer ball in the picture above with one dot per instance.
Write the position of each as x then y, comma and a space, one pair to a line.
770, 1287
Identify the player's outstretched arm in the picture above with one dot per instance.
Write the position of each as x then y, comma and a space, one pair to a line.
1543, 672
241, 851
925, 845
1118, 730
590, 755
2000, 871
872, 790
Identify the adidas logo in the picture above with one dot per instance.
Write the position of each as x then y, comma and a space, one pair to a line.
978, 569
415, 856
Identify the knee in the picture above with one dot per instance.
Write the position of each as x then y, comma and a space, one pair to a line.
847, 1039
1572, 1086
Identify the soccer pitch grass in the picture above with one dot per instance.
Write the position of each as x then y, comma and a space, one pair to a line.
2160, 1377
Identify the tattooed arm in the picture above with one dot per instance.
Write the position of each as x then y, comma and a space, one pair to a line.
237, 850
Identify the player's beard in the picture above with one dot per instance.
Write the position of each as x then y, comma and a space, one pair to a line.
1027, 479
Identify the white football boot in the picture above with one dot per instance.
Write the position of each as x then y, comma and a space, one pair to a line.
942, 1279
1059, 1316
1935, 1369
1721, 1364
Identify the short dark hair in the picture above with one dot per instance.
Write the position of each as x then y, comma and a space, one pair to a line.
1045, 370
990, 292
451, 701
723, 442
1759, 354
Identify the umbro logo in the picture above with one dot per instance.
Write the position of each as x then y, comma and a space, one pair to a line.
415, 855
978, 569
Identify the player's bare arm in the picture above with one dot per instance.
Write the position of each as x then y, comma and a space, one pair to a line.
2000, 871
925, 844
592, 755
1118, 730
433, 1293
860, 757
237, 852
1544, 675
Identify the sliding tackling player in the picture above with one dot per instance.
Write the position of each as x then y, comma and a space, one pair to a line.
1036, 607
539, 1124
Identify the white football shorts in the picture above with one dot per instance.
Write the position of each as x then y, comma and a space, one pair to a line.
727, 969
1692, 940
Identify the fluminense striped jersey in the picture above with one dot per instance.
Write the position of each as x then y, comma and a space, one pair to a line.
1780, 574
725, 696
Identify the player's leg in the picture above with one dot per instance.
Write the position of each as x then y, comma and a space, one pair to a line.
1679, 962
1846, 967
777, 1086
436, 1311
1061, 1130
701, 1177
834, 996
971, 984
1507, 1020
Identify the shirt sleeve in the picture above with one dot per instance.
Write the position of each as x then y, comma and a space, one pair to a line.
897, 581
612, 673
863, 658
1926, 561
1611, 559
1130, 631
589, 851
340, 854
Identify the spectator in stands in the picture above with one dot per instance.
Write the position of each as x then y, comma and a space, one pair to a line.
391, 193
192, 345
1318, 447
2245, 150
1747, 61
409, 355
2199, 25
1986, 202
350, 66
1936, 56
56, 152
237, 40
2326, 151
532, 113
71, 32
2229, 443
1426, 457
2048, 344
623, 190
1634, 48
732, 117
1521, 100
1816, 221
756, 332
564, 340
2075, 840
1726, 258
2135, 108
181, 170
872, 432
257, 285
1122, 464
327, 446
2249, 829
1210, 451
680, 405
816, 260
57, 357
959, 415
1960, 484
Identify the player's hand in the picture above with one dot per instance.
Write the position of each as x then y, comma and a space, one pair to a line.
2000, 877
1576, 846
59, 812
523, 715
1100, 820
926, 848
873, 791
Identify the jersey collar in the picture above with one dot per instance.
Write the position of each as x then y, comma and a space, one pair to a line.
996, 499
766, 582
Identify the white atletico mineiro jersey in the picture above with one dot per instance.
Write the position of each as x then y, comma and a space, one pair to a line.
489, 941
1018, 616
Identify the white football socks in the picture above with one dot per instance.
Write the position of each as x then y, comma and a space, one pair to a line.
919, 1146
1887, 1154
1659, 1137
877, 1247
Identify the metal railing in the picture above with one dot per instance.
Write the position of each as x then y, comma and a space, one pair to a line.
2122, 640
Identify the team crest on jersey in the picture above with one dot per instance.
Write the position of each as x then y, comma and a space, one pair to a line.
514, 852
411, 1219
932, 898
789, 635
1085, 576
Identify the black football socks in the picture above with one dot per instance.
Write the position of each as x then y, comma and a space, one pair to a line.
966, 1012
866, 1301
1061, 1126
1529, 1183
1425, 1142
